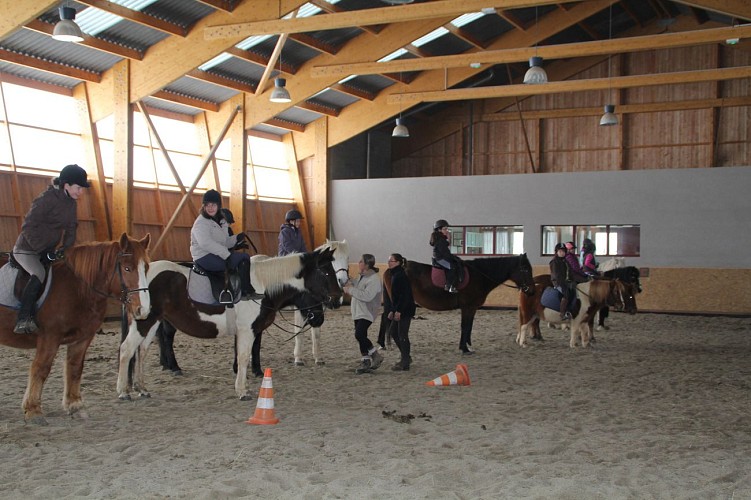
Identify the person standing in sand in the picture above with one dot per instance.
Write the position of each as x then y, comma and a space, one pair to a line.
366, 301
400, 306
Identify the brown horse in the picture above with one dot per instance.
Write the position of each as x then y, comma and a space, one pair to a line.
594, 295
74, 310
485, 274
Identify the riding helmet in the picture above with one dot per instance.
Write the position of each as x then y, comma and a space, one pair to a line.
560, 246
73, 174
293, 215
441, 223
588, 245
212, 196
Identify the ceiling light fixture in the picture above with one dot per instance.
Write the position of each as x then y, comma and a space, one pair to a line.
535, 74
280, 94
608, 118
66, 30
401, 129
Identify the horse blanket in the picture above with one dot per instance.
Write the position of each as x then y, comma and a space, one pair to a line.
551, 298
8, 275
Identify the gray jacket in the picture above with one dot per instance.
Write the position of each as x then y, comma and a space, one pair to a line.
366, 296
209, 237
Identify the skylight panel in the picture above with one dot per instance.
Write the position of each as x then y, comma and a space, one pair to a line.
436, 33
93, 21
465, 19
393, 55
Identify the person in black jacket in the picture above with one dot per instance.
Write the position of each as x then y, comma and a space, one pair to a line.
401, 309
561, 277
442, 256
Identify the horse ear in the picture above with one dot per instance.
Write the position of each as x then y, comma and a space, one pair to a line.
145, 241
123, 241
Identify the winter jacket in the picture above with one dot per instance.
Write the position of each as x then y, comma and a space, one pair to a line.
575, 271
441, 252
210, 237
589, 264
559, 271
52, 216
366, 296
290, 240
401, 299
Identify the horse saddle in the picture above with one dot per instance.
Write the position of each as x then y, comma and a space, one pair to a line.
551, 299
208, 287
13, 279
438, 277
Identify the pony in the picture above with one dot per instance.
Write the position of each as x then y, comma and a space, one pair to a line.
279, 278
593, 295
73, 312
308, 311
630, 276
484, 275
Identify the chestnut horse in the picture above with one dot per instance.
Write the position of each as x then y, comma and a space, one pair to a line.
73, 312
593, 295
485, 274
279, 278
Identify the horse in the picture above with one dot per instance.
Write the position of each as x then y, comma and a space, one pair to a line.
73, 311
593, 295
630, 276
308, 311
484, 275
279, 278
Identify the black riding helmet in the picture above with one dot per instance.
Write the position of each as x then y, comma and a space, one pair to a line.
560, 246
440, 223
293, 215
212, 196
73, 174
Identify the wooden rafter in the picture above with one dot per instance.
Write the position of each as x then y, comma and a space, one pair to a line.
89, 41
49, 67
734, 8
332, 8
136, 17
222, 81
186, 100
225, 5
17, 14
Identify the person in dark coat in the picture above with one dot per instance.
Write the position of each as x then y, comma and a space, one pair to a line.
400, 306
52, 217
442, 256
290, 236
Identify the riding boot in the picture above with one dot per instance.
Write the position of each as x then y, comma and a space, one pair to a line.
451, 276
243, 268
26, 322
564, 307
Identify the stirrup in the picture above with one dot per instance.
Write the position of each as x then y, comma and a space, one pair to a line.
225, 297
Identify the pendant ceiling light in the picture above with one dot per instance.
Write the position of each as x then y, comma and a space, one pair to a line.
609, 118
535, 74
66, 30
280, 92
400, 130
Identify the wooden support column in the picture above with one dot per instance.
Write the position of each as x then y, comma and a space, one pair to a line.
319, 196
714, 114
15, 190
239, 165
93, 155
204, 137
298, 188
122, 197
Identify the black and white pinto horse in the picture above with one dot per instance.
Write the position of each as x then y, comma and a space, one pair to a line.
279, 278
308, 312
615, 268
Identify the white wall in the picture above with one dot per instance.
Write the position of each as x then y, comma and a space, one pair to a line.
688, 217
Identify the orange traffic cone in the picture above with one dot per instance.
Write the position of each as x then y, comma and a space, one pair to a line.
460, 376
264, 414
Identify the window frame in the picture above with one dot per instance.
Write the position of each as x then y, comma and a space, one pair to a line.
458, 233
577, 233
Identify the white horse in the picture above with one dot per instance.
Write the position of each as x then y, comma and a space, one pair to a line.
341, 266
280, 278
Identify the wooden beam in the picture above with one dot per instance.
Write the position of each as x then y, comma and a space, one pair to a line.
319, 196
122, 185
15, 13
225, 5
272, 60
238, 166
353, 91
89, 41
298, 188
331, 8
560, 51
49, 67
285, 124
378, 15
166, 95
137, 17
616, 82
740, 9
318, 108
90, 138
222, 81
260, 60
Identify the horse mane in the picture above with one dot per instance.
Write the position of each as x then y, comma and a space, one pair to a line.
88, 260
628, 273
275, 272
340, 248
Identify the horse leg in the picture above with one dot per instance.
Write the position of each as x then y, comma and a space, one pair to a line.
242, 358
261, 323
139, 383
299, 320
604, 313
128, 348
165, 336
468, 318
38, 372
315, 336
75, 355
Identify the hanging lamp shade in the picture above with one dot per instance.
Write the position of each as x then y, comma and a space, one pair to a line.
66, 30
280, 92
400, 130
535, 74
609, 118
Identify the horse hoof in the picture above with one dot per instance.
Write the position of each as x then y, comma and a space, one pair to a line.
299, 363
38, 420
124, 397
246, 397
144, 395
320, 363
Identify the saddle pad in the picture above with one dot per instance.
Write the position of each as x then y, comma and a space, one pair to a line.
199, 290
8, 275
438, 277
551, 298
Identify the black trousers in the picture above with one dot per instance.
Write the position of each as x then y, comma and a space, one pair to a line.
400, 333
361, 335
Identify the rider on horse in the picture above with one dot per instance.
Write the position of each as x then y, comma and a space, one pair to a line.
52, 216
442, 256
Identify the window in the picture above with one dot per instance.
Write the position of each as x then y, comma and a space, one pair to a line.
487, 240
613, 240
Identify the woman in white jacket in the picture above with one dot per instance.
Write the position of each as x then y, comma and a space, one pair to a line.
366, 303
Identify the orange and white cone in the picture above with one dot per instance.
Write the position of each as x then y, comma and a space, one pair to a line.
460, 376
264, 414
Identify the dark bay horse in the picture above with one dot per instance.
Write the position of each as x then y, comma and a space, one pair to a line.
485, 274
630, 276
279, 278
74, 310
594, 295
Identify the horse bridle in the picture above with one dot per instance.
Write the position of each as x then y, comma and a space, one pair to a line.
125, 292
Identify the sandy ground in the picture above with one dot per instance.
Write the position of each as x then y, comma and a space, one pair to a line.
659, 408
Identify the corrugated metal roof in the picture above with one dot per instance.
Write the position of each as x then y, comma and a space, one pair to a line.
298, 115
268, 129
171, 106
334, 98
37, 75
201, 90
46, 48
133, 35
240, 70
